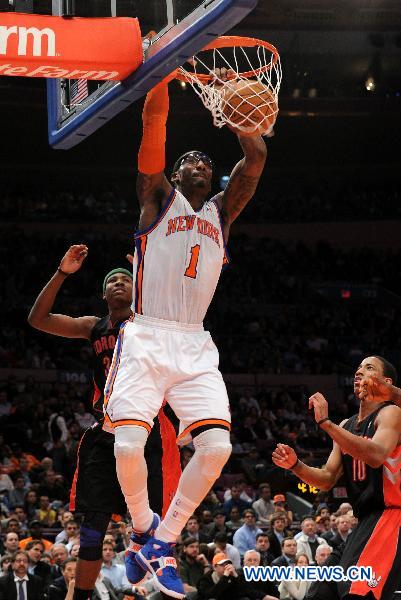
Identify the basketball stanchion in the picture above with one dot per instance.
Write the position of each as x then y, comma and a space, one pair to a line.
246, 98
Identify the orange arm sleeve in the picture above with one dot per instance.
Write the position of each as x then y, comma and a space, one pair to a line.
151, 156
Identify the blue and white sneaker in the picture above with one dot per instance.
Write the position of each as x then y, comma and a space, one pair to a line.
135, 573
157, 557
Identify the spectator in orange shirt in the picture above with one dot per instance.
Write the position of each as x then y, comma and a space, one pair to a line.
35, 529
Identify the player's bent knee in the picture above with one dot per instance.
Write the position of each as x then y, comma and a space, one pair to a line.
212, 449
130, 442
92, 534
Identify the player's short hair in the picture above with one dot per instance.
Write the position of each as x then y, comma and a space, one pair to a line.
182, 158
71, 559
389, 370
262, 534
188, 541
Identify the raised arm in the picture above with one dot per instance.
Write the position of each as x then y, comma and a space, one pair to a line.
372, 451
325, 478
244, 179
40, 316
152, 185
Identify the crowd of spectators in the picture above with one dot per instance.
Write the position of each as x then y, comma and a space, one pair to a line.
274, 202
287, 326
237, 525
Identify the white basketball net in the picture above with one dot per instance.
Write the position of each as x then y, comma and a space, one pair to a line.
258, 64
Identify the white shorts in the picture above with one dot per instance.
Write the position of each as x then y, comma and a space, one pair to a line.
156, 360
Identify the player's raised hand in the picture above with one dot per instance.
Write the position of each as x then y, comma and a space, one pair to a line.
73, 258
284, 456
319, 404
374, 389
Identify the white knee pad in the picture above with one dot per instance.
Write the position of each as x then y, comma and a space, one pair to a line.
129, 441
212, 451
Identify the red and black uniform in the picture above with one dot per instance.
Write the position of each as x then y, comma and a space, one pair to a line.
375, 495
95, 486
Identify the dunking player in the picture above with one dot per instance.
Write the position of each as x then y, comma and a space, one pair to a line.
164, 351
367, 451
96, 492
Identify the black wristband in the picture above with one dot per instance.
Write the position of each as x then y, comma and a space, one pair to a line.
62, 272
294, 465
323, 420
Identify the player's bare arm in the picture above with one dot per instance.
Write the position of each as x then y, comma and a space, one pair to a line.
325, 478
41, 316
244, 178
372, 451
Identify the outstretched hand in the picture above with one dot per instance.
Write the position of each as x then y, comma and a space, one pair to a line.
374, 389
73, 258
284, 456
320, 406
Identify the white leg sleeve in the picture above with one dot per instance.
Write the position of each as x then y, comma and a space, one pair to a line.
132, 473
212, 450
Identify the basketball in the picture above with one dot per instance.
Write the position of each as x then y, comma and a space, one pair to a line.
250, 105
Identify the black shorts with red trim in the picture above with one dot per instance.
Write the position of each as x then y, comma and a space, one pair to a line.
95, 486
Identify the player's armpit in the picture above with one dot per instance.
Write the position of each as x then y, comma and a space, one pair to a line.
66, 326
244, 178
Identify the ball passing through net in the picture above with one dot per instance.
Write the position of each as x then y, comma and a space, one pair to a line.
238, 80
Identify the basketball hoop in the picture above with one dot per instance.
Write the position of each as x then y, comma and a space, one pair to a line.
248, 99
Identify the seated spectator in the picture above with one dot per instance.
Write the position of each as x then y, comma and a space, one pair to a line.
36, 566
192, 567
46, 514
31, 504
72, 532
343, 531
210, 501
207, 520
220, 545
322, 554
218, 525
235, 500
62, 537
309, 541
277, 533
255, 468
11, 542
264, 507
322, 525
344, 508
6, 483
58, 589
13, 525
74, 550
22, 517
257, 590
241, 483
53, 487
330, 533
280, 505
113, 572
288, 553
59, 554
17, 454
192, 530
235, 521
262, 546
104, 590
35, 529
222, 583
17, 496
295, 590
19, 583
245, 537
5, 564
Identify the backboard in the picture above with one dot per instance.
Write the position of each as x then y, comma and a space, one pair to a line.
78, 108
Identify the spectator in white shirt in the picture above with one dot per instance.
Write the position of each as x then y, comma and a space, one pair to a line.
264, 507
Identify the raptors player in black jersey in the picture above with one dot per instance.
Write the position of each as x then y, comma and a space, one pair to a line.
95, 490
367, 451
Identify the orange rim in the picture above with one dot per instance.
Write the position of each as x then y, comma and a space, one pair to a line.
232, 41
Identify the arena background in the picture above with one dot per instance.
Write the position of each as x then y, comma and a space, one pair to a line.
314, 285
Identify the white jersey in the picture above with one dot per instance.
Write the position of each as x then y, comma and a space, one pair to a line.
178, 261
